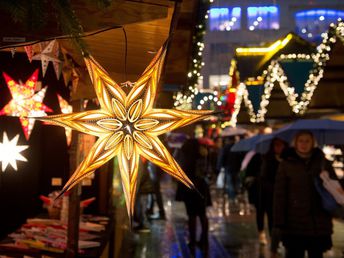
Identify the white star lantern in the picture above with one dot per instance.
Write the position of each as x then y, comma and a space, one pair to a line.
10, 152
50, 53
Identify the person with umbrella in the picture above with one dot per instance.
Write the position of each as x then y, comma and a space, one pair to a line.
297, 209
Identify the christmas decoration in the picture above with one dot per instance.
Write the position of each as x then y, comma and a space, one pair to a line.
47, 54
128, 127
29, 52
66, 109
25, 102
274, 75
10, 152
183, 100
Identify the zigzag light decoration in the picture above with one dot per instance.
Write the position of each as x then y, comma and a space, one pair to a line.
211, 98
275, 75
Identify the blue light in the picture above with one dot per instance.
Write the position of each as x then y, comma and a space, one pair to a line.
267, 17
225, 19
252, 11
315, 22
324, 12
236, 12
217, 12
273, 9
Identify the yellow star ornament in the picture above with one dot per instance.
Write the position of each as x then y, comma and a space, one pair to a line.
127, 126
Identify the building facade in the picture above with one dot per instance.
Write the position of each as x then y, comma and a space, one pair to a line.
234, 23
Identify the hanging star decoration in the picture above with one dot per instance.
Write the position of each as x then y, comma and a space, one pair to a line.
10, 152
29, 52
66, 109
128, 127
48, 54
25, 102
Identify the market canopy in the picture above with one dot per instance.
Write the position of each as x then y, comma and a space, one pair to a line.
147, 25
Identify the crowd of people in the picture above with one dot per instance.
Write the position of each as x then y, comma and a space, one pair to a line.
280, 186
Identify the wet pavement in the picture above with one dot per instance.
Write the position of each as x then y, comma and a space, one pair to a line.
232, 233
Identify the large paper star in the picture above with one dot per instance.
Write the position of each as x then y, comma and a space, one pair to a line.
127, 126
10, 152
25, 102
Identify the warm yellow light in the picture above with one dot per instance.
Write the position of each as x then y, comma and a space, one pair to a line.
263, 50
10, 152
254, 81
127, 126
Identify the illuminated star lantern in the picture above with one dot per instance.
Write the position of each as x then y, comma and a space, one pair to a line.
10, 152
66, 109
25, 102
49, 54
127, 126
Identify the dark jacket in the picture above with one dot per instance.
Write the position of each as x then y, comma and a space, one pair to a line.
195, 167
297, 205
253, 172
268, 174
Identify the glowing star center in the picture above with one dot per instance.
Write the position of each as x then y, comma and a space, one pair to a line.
128, 129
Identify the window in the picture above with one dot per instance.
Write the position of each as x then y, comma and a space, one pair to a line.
219, 81
311, 23
225, 19
263, 18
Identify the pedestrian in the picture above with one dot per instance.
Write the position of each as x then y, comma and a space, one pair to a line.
297, 210
145, 188
193, 162
231, 162
155, 174
270, 164
251, 183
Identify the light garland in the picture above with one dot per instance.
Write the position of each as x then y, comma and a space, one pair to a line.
184, 100
275, 74
211, 98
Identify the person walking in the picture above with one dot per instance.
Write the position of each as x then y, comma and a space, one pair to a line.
252, 185
270, 163
297, 210
193, 162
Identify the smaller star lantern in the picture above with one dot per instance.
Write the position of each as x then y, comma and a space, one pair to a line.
10, 152
25, 102
127, 126
49, 54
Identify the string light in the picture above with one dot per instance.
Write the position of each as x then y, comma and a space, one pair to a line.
275, 75
183, 100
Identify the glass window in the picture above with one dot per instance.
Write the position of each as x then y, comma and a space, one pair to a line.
311, 23
225, 19
263, 18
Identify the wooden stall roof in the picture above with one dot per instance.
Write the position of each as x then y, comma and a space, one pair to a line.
147, 25
252, 65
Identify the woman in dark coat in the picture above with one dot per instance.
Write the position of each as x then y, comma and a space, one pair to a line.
298, 213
